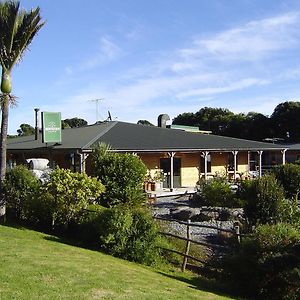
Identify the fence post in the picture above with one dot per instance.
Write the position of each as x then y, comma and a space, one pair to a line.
237, 232
187, 247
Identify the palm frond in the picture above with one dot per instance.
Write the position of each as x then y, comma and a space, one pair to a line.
26, 30
17, 28
8, 20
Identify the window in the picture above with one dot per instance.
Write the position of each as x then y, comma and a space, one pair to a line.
253, 161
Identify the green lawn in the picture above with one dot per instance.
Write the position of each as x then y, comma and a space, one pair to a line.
39, 266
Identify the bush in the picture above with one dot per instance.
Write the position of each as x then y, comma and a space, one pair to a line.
289, 177
122, 174
264, 199
267, 265
20, 186
130, 234
216, 192
64, 197
87, 229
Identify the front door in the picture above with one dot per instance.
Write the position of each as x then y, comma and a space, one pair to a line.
165, 165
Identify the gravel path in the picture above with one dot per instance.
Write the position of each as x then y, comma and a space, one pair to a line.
162, 208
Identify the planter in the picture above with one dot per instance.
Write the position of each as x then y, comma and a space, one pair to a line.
158, 186
152, 186
148, 186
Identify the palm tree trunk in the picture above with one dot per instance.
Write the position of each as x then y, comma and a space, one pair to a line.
3, 147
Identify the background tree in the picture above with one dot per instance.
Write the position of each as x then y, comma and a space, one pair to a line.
254, 121
207, 118
74, 122
285, 121
188, 119
18, 28
25, 129
144, 122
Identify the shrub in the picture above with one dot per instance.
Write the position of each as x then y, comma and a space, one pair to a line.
267, 265
122, 174
216, 192
129, 233
87, 229
264, 198
64, 197
289, 177
19, 188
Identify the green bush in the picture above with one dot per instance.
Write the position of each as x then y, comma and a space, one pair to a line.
87, 229
267, 265
216, 192
64, 197
129, 233
264, 199
289, 177
122, 174
20, 186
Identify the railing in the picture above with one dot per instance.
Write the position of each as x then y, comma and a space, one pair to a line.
235, 232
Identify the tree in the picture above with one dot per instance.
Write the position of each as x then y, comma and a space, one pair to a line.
285, 121
74, 122
144, 122
207, 118
254, 121
188, 119
18, 28
25, 129
122, 174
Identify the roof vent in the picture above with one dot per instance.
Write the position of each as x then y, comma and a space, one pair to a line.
162, 120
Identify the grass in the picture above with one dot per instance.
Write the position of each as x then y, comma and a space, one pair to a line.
39, 266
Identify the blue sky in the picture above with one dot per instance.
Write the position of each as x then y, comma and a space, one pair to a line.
160, 56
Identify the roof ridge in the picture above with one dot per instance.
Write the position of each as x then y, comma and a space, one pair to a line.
100, 134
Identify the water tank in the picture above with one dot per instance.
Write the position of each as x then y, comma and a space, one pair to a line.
162, 120
38, 163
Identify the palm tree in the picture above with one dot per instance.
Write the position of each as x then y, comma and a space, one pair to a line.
17, 29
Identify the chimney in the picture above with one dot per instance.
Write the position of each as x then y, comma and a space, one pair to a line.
36, 124
162, 120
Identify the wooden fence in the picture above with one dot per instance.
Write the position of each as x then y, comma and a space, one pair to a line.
188, 224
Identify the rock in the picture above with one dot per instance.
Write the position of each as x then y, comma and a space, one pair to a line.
184, 213
201, 218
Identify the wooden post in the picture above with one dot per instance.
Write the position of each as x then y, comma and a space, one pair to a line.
235, 153
237, 231
187, 247
283, 156
260, 163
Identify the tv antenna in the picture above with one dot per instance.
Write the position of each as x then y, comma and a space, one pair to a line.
109, 116
97, 107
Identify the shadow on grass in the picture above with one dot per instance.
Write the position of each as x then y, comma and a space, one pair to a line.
69, 241
50, 235
201, 283
13, 224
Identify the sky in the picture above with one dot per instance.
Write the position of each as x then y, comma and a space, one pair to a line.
144, 58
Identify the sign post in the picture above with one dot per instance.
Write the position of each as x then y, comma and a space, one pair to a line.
51, 125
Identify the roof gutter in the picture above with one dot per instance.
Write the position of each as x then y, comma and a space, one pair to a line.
200, 149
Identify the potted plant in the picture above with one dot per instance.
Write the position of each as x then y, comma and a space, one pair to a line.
158, 179
148, 182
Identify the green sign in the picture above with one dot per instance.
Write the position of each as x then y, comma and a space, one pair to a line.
51, 123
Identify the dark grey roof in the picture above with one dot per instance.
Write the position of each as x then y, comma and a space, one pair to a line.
293, 146
123, 136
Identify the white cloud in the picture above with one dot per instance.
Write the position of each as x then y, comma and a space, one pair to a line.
254, 40
238, 85
107, 52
